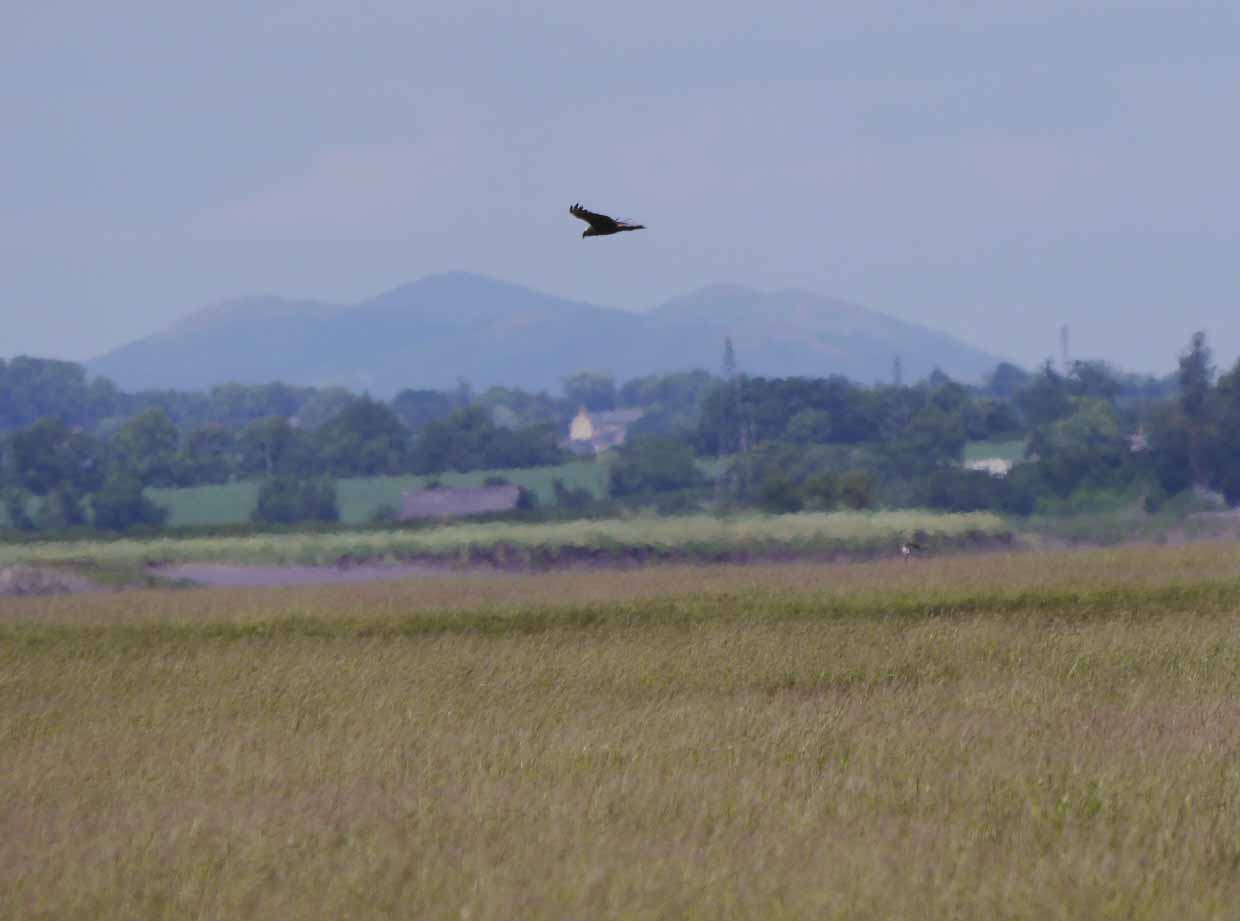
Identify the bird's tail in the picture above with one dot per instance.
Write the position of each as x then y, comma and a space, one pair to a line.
633, 227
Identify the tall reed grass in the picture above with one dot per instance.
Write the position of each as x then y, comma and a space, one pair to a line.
696, 536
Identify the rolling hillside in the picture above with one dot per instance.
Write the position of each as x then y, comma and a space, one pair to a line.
434, 331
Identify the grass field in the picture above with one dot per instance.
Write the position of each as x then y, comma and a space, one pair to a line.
1025, 736
695, 536
232, 503
360, 497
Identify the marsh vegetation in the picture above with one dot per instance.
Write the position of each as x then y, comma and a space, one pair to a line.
1010, 736
683, 537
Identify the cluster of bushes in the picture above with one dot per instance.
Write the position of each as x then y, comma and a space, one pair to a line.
291, 499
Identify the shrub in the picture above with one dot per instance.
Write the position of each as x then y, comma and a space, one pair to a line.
384, 513
651, 464
15, 508
289, 499
957, 490
569, 498
822, 490
856, 489
61, 508
676, 503
120, 504
778, 494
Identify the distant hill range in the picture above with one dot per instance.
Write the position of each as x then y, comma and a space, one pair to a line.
433, 332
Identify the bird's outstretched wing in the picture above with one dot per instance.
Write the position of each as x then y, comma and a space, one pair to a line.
599, 222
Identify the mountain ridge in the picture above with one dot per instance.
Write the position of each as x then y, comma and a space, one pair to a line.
447, 326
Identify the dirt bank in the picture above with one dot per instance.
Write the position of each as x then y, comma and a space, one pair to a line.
21, 580
502, 559
229, 575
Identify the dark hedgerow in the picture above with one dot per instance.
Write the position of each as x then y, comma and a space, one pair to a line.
290, 499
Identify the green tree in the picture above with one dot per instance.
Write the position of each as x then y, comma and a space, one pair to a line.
48, 455
292, 499
1196, 375
240, 404
681, 390
947, 395
933, 438
210, 454
732, 423
1087, 448
822, 490
592, 390
61, 508
15, 507
1169, 448
34, 388
777, 493
272, 447
809, 426
1094, 379
325, 405
418, 408
147, 446
987, 419
1047, 398
186, 410
959, 490
672, 403
513, 408
530, 446
120, 504
1218, 435
1007, 381
651, 464
856, 489
366, 438
469, 440
566, 497
455, 443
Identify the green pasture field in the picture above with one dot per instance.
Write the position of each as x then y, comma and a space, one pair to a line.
1013, 451
693, 536
359, 497
217, 504
1005, 736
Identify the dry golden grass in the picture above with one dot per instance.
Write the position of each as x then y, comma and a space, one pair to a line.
999, 736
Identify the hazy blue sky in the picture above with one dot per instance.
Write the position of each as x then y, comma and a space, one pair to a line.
989, 169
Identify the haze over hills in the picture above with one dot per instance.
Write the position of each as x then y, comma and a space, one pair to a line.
435, 331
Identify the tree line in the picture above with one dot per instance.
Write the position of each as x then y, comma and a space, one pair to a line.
1088, 430
81, 451
78, 450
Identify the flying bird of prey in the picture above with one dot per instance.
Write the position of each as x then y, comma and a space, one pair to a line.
600, 224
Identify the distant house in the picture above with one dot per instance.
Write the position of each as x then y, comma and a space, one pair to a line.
593, 434
995, 466
445, 502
